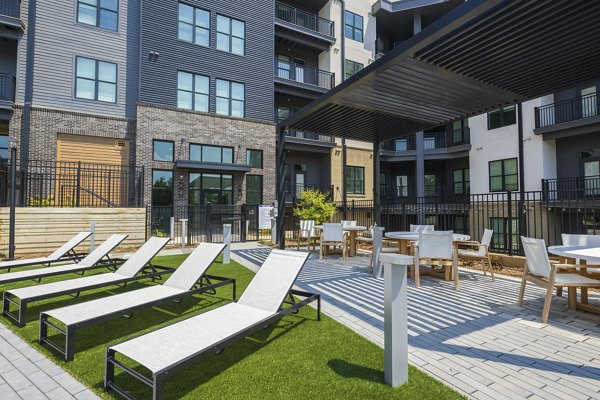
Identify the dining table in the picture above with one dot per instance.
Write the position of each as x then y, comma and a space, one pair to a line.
352, 234
581, 258
405, 237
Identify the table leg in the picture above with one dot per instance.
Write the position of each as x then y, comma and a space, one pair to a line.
572, 298
352, 249
584, 295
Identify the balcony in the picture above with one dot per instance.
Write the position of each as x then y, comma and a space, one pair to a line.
7, 91
10, 24
310, 136
578, 115
436, 145
300, 80
575, 192
302, 27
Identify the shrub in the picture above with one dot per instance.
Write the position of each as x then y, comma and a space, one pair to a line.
313, 204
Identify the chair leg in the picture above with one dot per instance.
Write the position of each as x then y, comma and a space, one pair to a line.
522, 291
455, 270
321, 251
547, 304
491, 268
417, 275
344, 251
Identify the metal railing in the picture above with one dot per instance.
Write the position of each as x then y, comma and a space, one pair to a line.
293, 192
310, 136
567, 110
571, 188
381, 48
304, 19
304, 74
11, 8
431, 141
8, 84
76, 184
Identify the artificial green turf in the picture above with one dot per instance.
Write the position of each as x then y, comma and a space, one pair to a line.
299, 358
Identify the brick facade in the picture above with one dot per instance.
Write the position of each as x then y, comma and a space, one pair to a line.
185, 127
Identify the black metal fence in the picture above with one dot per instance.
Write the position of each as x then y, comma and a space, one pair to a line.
567, 110
75, 184
304, 19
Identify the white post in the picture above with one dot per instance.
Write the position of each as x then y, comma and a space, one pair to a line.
172, 232
273, 230
183, 232
395, 318
227, 242
93, 236
377, 245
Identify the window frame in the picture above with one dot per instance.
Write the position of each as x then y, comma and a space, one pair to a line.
203, 145
98, 11
355, 180
96, 79
194, 24
230, 35
503, 111
201, 189
7, 148
404, 188
172, 190
465, 181
503, 174
353, 65
230, 98
353, 26
430, 190
501, 233
193, 92
260, 191
248, 151
154, 141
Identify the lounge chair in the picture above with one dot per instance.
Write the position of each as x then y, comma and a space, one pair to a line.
190, 278
138, 263
96, 259
176, 346
65, 253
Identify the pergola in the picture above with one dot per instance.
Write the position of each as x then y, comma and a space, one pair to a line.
483, 55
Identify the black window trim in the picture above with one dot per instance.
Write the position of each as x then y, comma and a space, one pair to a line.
164, 141
202, 145
355, 180
262, 181
354, 28
230, 34
97, 80
172, 185
262, 162
502, 111
464, 179
354, 65
502, 161
194, 26
230, 98
193, 92
98, 9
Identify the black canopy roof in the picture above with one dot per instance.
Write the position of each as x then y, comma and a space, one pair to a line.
483, 55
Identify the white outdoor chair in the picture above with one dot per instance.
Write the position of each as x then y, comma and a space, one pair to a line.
479, 251
307, 231
333, 235
581, 240
436, 249
421, 228
540, 271
346, 223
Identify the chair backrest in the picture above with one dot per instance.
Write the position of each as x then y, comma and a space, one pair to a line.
536, 256
70, 245
333, 232
346, 223
580, 240
196, 265
101, 251
486, 240
307, 228
140, 258
421, 228
274, 279
435, 244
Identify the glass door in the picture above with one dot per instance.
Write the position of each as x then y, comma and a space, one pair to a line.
283, 66
589, 106
591, 172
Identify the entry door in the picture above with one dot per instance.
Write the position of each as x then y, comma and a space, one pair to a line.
300, 181
283, 66
591, 172
211, 196
299, 70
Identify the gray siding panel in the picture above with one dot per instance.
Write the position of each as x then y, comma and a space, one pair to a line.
158, 82
59, 39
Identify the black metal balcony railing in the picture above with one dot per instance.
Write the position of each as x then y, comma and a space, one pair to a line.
582, 187
304, 19
304, 74
11, 8
432, 141
7, 87
381, 48
567, 110
310, 136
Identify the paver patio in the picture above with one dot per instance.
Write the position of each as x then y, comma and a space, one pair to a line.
476, 340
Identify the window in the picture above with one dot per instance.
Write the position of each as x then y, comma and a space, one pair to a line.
230, 98
354, 26
254, 192
461, 224
101, 13
283, 113
162, 188
162, 150
503, 230
95, 80
3, 146
502, 117
430, 185
352, 67
194, 25
210, 189
461, 179
402, 185
206, 153
401, 144
254, 158
503, 175
355, 180
231, 35
192, 91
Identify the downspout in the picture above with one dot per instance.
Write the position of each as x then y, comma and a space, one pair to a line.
26, 119
521, 204
342, 79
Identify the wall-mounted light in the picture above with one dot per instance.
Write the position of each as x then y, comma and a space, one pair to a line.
153, 55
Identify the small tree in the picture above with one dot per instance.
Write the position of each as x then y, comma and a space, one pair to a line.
313, 204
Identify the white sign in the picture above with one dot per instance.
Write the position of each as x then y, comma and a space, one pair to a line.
264, 219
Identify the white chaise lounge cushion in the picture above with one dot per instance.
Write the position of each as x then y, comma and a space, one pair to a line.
197, 263
57, 287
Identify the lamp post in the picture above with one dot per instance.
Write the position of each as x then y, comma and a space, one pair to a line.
12, 144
